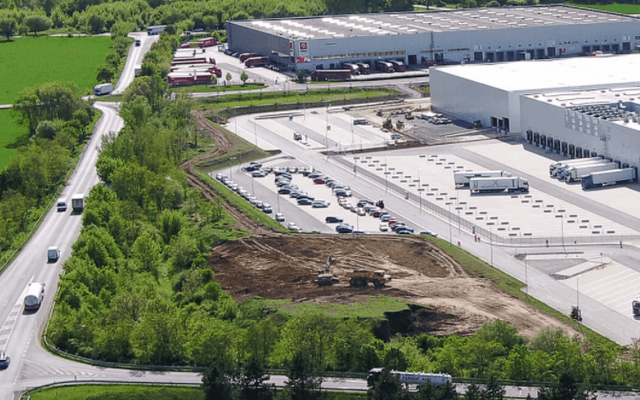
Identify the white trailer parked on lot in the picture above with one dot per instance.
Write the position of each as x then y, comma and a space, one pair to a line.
561, 172
498, 184
462, 178
577, 173
560, 164
608, 178
155, 30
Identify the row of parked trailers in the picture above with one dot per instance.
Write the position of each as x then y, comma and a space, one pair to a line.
490, 182
189, 69
349, 69
593, 172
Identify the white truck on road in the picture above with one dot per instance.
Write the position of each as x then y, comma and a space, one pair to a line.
498, 184
462, 178
102, 89
35, 295
578, 172
609, 178
77, 203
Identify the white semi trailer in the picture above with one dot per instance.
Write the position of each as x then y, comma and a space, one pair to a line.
462, 178
498, 184
563, 171
609, 178
578, 172
559, 164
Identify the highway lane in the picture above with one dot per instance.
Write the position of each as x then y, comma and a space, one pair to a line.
59, 229
135, 56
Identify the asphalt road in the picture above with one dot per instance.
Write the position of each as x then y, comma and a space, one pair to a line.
136, 53
58, 229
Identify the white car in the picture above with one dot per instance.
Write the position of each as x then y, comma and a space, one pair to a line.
384, 227
320, 204
279, 217
293, 227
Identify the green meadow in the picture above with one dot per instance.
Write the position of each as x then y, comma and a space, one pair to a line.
26, 62
9, 132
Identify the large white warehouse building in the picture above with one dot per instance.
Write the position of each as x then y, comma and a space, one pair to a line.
580, 107
453, 36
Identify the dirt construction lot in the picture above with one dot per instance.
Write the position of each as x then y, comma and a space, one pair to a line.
284, 266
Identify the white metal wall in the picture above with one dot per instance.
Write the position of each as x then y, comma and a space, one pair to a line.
617, 140
466, 99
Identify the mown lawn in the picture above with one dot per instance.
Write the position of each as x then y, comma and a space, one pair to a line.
310, 96
615, 7
32, 61
140, 392
9, 132
220, 87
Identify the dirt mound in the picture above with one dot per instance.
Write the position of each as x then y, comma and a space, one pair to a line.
285, 266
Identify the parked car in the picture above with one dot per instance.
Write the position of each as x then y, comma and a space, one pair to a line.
284, 190
320, 204
316, 174
279, 217
259, 204
429, 233
358, 233
332, 220
385, 217
343, 193
293, 227
258, 174
361, 212
304, 202
404, 229
283, 182
305, 195
344, 228
266, 208
362, 203
318, 181
384, 227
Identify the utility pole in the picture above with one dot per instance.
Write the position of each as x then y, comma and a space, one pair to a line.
491, 242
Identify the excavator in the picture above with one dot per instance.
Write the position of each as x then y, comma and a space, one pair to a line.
325, 278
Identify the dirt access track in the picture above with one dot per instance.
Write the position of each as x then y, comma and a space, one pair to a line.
283, 266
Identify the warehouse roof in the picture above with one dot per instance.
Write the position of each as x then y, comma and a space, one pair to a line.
532, 75
434, 21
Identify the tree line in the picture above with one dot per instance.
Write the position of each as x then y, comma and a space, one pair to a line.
19, 17
58, 122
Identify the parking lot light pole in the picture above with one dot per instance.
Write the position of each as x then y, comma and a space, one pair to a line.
450, 236
231, 168
491, 242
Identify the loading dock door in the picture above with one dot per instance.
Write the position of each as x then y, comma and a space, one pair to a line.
626, 46
413, 59
551, 51
540, 54
500, 56
489, 56
477, 56
506, 125
494, 122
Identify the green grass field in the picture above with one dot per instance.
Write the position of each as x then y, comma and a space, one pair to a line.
140, 392
615, 7
373, 307
32, 61
310, 96
9, 132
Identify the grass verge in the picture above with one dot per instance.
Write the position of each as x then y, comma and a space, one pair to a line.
218, 88
373, 307
615, 7
310, 96
508, 284
140, 392
242, 205
33, 61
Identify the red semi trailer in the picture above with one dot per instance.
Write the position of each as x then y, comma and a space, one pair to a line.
207, 42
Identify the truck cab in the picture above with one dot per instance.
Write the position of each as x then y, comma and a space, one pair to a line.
138, 42
53, 254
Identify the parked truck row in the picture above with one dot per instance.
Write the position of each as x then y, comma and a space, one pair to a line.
592, 172
498, 184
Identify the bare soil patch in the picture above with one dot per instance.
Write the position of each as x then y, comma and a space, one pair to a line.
285, 266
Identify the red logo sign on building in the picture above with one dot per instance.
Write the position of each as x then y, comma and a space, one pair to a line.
303, 45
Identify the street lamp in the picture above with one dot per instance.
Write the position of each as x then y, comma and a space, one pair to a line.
491, 242
231, 169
